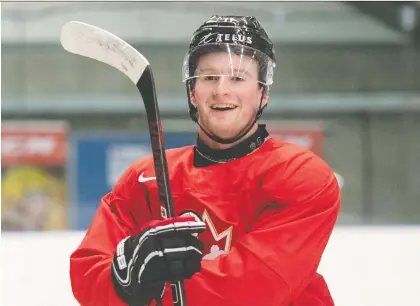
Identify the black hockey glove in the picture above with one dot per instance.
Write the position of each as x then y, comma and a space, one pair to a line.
165, 251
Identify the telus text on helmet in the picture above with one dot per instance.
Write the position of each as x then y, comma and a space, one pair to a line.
224, 38
234, 38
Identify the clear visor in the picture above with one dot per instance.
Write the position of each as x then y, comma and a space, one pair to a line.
212, 62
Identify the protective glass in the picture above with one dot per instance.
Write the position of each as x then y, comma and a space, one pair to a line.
239, 65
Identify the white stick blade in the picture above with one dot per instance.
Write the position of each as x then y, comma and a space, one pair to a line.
93, 42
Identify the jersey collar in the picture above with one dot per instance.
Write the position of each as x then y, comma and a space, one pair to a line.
205, 156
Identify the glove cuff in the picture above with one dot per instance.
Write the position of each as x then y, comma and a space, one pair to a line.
144, 296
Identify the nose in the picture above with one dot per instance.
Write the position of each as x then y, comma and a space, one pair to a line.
222, 87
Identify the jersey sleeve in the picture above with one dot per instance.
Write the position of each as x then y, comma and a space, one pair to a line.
277, 260
119, 215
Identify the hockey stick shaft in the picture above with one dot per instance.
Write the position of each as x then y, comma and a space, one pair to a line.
147, 90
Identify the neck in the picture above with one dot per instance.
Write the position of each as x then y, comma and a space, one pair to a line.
206, 156
220, 146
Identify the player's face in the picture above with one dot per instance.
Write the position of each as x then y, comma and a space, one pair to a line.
227, 93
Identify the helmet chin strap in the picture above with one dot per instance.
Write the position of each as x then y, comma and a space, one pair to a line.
240, 135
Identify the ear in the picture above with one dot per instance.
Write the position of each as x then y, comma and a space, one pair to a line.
264, 96
192, 97
265, 99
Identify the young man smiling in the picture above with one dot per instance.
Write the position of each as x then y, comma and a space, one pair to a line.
254, 214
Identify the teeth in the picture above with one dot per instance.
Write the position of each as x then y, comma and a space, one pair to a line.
223, 105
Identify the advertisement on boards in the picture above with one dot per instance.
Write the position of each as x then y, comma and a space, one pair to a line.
309, 135
33, 175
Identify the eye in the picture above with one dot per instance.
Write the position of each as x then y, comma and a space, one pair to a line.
237, 79
211, 78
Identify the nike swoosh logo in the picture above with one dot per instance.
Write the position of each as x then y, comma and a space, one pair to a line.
143, 179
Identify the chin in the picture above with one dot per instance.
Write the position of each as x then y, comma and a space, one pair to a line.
225, 132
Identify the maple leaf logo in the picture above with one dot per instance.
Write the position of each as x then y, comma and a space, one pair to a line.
216, 242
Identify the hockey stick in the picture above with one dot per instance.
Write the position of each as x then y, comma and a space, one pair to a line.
92, 42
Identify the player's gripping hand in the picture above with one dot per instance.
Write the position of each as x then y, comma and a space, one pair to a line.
165, 251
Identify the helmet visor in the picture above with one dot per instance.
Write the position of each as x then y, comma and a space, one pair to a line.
210, 62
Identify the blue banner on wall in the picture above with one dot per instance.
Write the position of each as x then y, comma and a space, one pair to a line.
98, 160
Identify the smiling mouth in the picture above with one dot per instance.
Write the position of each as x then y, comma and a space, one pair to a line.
223, 107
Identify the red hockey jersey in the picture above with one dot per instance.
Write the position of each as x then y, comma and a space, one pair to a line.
269, 216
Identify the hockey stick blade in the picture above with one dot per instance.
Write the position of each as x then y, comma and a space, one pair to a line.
95, 43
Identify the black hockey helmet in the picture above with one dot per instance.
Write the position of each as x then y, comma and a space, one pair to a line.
240, 30
241, 35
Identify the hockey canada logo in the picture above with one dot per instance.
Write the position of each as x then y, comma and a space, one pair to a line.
216, 242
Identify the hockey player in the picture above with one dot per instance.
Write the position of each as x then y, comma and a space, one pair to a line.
254, 214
